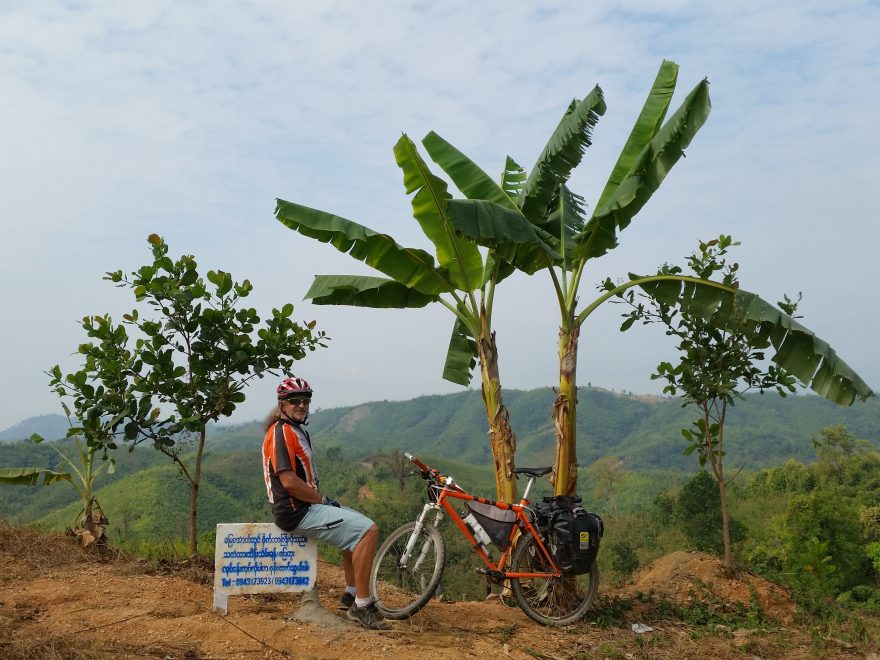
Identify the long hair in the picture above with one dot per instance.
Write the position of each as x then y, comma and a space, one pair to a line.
272, 417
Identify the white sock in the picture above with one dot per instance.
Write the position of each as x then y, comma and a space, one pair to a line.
362, 602
350, 590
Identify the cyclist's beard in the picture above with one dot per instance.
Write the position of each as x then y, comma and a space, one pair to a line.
303, 422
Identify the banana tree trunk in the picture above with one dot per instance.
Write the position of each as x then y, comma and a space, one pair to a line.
501, 436
564, 477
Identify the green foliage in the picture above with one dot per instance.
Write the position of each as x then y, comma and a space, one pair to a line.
83, 471
606, 476
846, 461
31, 476
819, 525
152, 505
872, 550
698, 513
822, 543
705, 609
724, 330
869, 517
716, 365
194, 349
197, 347
791, 477
624, 560
861, 598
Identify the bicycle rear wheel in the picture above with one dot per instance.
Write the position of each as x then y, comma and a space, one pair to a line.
403, 588
550, 601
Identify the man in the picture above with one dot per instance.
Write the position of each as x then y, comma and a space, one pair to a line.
299, 506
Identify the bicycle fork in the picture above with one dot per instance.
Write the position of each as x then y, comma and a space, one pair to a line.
426, 546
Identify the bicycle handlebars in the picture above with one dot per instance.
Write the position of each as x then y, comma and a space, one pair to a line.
431, 473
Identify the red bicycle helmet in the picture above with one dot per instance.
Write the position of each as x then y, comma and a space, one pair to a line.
294, 387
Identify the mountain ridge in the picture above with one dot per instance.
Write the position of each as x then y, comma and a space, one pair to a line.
643, 430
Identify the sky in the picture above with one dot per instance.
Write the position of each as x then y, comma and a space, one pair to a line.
119, 120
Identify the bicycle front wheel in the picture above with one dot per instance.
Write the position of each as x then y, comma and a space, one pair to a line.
551, 601
402, 585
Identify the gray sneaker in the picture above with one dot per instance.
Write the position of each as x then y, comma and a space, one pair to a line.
369, 617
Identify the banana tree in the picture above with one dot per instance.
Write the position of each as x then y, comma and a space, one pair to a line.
90, 520
462, 279
545, 202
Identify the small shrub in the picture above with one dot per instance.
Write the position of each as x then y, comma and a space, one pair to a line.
698, 514
823, 545
610, 612
623, 558
861, 597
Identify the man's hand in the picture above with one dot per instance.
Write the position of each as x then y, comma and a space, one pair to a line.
330, 502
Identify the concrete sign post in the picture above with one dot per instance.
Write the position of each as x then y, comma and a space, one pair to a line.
259, 558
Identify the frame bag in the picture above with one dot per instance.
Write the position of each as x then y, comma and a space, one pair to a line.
497, 522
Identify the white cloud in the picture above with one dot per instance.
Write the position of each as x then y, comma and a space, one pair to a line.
120, 119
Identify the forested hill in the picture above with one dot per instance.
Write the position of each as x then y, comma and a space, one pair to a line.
51, 427
645, 431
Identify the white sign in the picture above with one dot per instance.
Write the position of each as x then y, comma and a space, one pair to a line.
259, 558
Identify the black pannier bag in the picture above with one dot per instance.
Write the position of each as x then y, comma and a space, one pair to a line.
572, 532
497, 522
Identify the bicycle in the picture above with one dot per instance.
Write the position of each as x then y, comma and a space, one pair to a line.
410, 562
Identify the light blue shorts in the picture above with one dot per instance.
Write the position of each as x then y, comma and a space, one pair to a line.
336, 526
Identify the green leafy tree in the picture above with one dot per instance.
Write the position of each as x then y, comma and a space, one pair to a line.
835, 448
624, 559
195, 347
716, 366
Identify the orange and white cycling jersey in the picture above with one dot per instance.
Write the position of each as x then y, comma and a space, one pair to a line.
287, 446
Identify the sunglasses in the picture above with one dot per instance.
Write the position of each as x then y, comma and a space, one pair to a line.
299, 402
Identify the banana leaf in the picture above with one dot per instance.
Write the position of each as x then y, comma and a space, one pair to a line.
31, 476
648, 123
461, 356
489, 216
796, 349
563, 152
513, 178
569, 217
645, 175
506, 232
363, 291
458, 256
410, 266
470, 179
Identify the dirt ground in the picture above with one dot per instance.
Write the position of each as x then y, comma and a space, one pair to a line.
57, 601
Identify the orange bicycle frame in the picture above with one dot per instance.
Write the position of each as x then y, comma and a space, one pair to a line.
453, 491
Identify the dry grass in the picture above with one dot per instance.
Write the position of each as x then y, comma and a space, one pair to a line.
44, 549
20, 641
